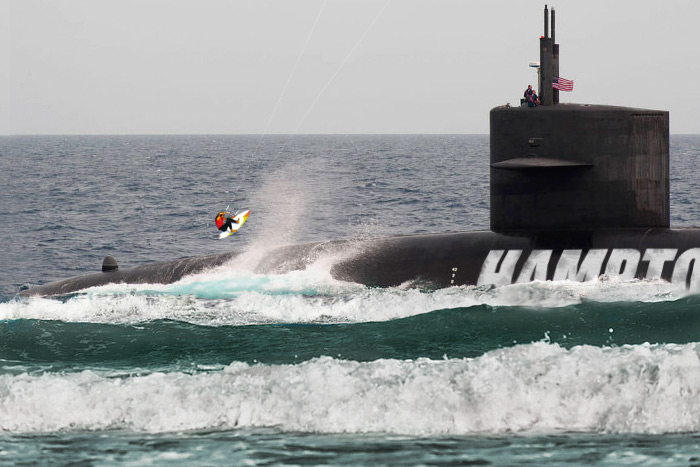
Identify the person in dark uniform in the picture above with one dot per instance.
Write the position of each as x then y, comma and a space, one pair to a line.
531, 96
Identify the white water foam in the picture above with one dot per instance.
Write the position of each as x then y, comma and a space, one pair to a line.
234, 297
533, 388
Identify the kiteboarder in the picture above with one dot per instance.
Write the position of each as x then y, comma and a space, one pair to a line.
224, 223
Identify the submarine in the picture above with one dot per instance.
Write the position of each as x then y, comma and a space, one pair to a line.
577, 191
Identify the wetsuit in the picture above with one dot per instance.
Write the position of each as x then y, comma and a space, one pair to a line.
225, 224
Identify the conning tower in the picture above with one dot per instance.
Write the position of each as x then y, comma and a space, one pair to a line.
577, 166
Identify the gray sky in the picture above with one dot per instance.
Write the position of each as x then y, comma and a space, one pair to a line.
369, 66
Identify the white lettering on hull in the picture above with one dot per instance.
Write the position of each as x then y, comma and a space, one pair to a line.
499, 267
498, 270
623, 263
657, 257
535, 268
567, 267
687, 264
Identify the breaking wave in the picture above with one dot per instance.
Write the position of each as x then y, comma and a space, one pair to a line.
538, 387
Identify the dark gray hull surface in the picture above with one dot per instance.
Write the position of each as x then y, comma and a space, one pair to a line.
454, 259
576, 191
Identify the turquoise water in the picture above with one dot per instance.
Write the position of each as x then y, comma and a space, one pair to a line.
232, 367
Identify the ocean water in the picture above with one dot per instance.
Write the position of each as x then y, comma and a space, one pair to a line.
232, 367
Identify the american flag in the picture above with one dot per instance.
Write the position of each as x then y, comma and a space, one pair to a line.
563, 84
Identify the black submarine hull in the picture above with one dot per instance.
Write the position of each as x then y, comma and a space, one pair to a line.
452, 259
483, 258
576, 191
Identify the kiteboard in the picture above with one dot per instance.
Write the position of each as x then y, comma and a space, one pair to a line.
241, 217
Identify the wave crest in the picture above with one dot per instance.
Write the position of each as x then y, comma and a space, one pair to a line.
529, 388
